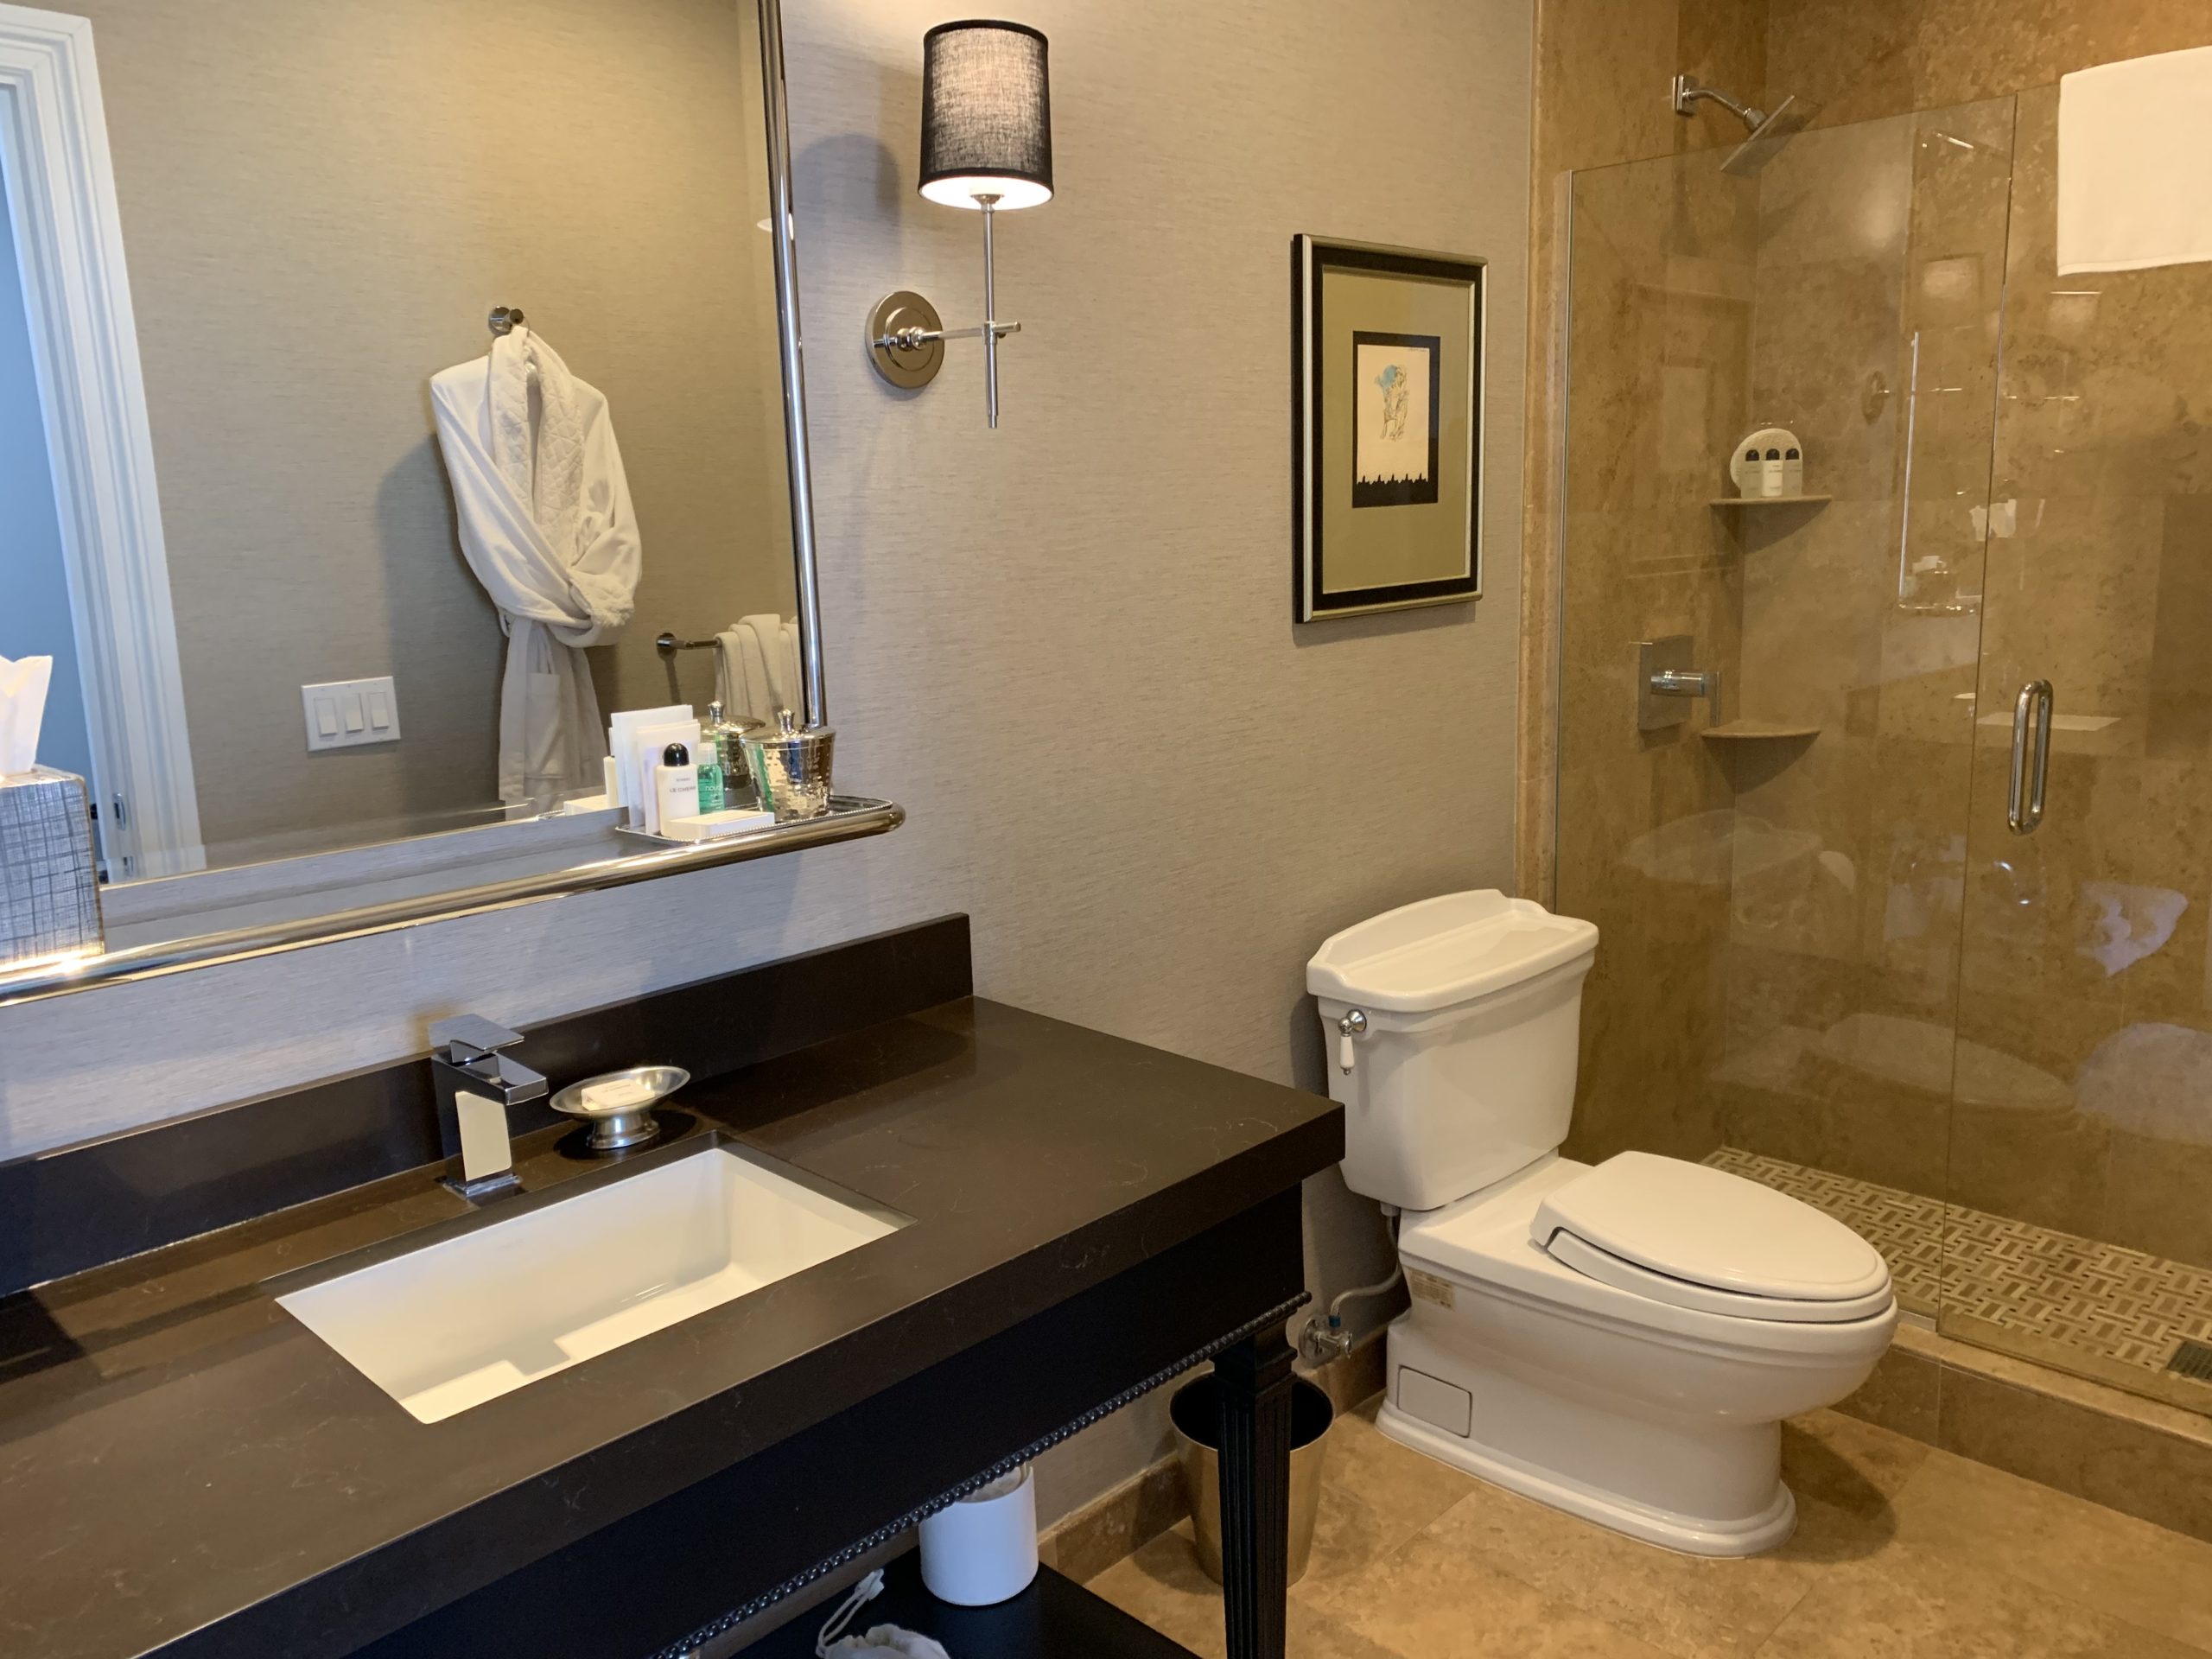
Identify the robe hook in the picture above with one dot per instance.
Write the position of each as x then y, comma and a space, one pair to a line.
504, 319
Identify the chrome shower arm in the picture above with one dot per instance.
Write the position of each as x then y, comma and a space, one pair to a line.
1688, 91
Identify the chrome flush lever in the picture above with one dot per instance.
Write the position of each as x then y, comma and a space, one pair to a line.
2024, 798
1352, 1025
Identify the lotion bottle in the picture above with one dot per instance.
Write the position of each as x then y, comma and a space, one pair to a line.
675, 787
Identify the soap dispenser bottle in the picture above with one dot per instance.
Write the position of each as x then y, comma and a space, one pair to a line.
675, 787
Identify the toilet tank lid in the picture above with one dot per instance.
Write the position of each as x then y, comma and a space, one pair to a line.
1441, 952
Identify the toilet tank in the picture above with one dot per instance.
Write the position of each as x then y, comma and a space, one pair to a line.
1465, 1070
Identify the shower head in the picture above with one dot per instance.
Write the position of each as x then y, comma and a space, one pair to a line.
1769, 133
1767, 136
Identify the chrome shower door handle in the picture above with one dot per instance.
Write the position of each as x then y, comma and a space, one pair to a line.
2023, 798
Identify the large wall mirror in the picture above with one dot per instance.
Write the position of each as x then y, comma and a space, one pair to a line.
268, 423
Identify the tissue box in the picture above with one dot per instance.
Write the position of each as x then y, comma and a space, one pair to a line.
50, 876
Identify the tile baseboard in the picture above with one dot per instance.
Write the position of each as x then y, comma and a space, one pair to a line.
2141, 1457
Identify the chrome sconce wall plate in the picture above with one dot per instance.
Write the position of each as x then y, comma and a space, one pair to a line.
906, 337
987, 146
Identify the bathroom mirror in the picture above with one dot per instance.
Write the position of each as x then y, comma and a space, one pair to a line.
399, 389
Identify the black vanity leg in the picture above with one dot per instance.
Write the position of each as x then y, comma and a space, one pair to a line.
1254, 1379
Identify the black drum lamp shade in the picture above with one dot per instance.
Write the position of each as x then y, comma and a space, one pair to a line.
987, 116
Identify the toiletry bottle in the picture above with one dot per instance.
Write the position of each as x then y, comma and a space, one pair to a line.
676, 785
710, 767
1748, 483
1793, 472
1770, 473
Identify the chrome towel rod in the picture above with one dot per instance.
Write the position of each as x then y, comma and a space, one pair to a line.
668, 645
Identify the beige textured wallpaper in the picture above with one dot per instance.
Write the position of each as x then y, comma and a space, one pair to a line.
1066, 646
320, 203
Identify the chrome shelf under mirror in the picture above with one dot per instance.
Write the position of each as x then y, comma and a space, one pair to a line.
850, 817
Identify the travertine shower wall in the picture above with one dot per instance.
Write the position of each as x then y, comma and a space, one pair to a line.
2080, 991
1601, 70
1879, 272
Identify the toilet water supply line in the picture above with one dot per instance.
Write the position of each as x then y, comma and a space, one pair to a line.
1331, 1340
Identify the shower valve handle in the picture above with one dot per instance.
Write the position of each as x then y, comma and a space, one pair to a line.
1686, 683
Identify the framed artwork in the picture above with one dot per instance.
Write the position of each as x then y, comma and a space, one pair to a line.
1387, 427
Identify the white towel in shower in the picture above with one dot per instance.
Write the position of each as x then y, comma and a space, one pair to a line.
2134, 189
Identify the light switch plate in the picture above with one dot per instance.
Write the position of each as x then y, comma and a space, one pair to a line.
344, 714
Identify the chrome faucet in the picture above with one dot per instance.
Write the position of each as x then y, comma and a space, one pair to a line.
476, 1085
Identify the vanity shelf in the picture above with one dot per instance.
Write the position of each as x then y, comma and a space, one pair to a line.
1054, 1617
849, 817
1754, 731
1769, 500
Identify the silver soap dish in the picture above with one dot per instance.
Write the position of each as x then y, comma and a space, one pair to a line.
619, 1106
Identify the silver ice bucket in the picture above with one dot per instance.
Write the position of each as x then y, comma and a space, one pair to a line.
790, 767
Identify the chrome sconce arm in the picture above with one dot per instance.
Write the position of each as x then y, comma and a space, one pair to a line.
987, 146
906, 336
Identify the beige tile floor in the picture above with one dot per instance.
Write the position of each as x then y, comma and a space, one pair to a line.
1902, 1552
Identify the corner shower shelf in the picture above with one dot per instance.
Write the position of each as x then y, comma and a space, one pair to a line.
1742, 731
1768, 500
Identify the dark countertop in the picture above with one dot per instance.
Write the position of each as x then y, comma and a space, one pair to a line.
177, 1453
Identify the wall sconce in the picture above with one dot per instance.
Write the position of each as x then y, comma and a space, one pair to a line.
987, 145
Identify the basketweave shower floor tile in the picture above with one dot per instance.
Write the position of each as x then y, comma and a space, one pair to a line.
2123, 1313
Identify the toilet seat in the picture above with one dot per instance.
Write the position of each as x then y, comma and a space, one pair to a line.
1693, 1237
1589, 1260
1480, 1247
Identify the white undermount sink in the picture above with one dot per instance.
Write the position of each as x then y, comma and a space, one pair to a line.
465, 1320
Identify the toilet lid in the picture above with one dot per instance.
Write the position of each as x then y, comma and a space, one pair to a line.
1441, 952
1697, 1237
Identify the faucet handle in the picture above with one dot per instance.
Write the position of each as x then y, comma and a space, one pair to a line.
469, 1036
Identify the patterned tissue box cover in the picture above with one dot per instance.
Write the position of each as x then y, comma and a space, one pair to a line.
50, 881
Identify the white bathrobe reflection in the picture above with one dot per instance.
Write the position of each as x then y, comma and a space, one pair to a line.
546, 525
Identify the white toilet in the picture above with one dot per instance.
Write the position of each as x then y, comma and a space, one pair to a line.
1620, 1342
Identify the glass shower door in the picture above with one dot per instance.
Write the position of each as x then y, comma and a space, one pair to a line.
2079, 1227
1776, 871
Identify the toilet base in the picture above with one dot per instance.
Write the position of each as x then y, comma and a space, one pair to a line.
1597, 1440
1761, 1532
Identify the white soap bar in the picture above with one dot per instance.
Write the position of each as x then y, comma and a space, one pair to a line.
710, 826
620, 1094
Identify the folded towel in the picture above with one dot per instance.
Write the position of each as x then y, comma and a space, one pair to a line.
2133, 188
741, 674
779, 643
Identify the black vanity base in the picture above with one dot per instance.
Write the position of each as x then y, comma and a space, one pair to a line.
1089, 1218
1054, 1619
